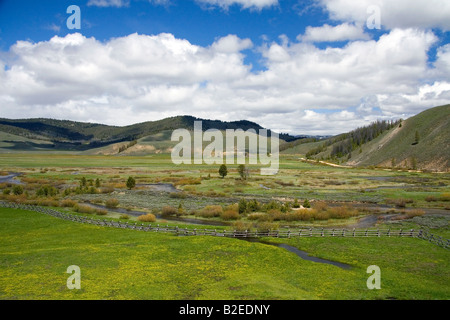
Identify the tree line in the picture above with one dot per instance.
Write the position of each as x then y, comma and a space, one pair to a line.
345, 144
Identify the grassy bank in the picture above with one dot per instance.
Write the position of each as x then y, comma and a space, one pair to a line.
35, 251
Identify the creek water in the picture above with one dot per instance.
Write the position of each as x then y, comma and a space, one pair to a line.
10, 178
301, 254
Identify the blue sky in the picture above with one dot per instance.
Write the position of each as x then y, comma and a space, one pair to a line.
186, 19
303, 67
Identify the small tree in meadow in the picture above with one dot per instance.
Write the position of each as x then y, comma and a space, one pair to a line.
131, 183
242, 206
83, 182
223, 171
306, 204
242, 171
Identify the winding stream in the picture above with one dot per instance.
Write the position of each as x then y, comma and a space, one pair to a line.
302, 254
10, 178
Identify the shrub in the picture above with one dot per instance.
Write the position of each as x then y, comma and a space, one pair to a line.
101, 212
112, 203
320, 206
276, 214
177, 195
92, 190
17, 190
301, 215
267, 226
48, 203
6, 191
241, 226
188, 181
253, 206
68, 203
169, 211
414, 213
260, 216
242, 206
106, 190
306, 204
341, 212
46, 191
400, 203
445, 197
272, 205
124, 216
210, 211
230, 215
80, 208
233, 206
180, 210
320, 215
431, 198
147, 218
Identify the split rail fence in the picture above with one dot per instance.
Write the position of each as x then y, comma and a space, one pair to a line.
289, 233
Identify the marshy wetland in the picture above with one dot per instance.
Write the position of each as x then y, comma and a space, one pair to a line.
301, 195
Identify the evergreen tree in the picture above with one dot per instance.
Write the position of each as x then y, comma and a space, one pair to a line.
223, 171
131, 183
416, 137
306, 204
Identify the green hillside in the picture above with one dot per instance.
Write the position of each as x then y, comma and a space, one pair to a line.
398, 147
420, 142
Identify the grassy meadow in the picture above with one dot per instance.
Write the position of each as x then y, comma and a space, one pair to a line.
35, 250
125, 264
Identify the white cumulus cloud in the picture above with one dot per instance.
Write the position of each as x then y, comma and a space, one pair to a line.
245, 4
342, 32
109, 3
303, 88
394, 14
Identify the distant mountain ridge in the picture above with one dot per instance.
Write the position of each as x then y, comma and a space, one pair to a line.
79, 136
420, 142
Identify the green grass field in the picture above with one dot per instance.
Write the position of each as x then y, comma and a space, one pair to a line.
35, 251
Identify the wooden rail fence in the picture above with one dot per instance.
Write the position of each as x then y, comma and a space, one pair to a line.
289, 233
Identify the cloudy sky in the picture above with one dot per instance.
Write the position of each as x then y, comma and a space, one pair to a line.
301, 67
